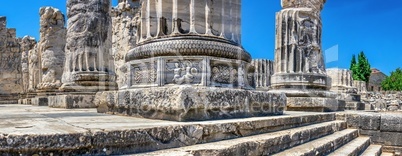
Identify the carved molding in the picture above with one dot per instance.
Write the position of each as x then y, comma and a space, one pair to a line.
188, 47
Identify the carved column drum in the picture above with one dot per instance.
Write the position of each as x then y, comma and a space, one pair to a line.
196, 42
299, 62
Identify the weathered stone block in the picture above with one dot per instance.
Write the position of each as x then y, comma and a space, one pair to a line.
71, 101
391, 123
319, 104
386, 138
40, 101
354, 106
189, 103
364, 121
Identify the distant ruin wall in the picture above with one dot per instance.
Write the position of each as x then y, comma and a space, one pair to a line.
10, 63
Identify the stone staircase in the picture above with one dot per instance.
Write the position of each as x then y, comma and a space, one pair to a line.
327, 137
84, 132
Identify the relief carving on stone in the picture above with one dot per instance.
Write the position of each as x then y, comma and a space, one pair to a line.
143, 74
225, 74
184, 73
303, 29
88, 45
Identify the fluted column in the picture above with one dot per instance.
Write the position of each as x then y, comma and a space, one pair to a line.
263, 73
213, 18
342, 80
88, 64
299, 59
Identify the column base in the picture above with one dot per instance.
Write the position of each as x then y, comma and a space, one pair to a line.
301, 81
95, 87
190, 103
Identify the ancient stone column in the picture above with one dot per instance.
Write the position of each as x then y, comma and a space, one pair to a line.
342, 80
299, 59
51, 48
89, 63
264, 69
34, 69
188, 64
299, 62
28, 43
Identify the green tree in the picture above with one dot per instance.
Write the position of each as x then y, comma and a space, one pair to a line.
393, 82
353, 67
363, 68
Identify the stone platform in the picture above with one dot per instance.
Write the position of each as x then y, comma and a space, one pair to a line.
190, 103
30, 130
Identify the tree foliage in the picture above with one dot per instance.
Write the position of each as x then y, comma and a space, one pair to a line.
361, 69
353, 67
393, 82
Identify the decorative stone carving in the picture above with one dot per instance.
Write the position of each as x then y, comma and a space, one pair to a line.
189, 28
298, 53
225, 74
51, 48
28, 43
188, 103
184, 73
89, 62
184, 50
299, 63
144, 74
190, 47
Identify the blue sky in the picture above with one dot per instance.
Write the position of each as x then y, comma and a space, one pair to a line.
350, 26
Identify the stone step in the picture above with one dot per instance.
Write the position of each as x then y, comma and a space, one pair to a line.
118, 135
387, 154
353, 148
263, 144
372, 150
322, 146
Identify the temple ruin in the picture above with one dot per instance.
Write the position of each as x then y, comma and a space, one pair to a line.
171, 77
